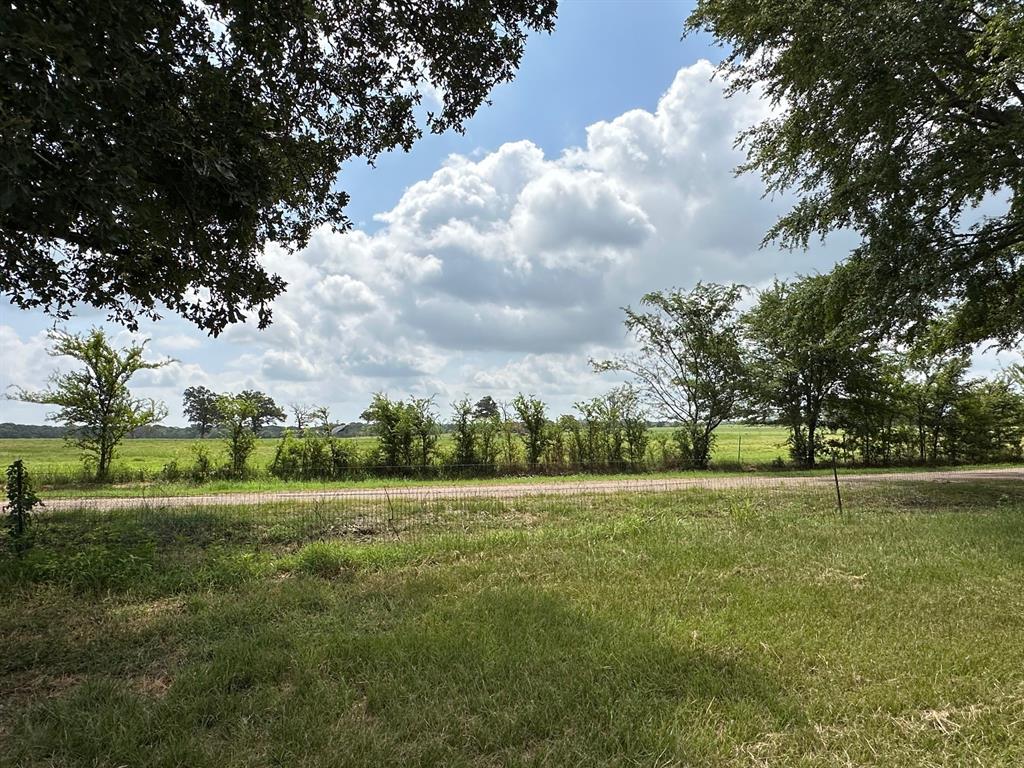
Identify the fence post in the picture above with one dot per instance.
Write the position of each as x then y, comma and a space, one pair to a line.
835, 476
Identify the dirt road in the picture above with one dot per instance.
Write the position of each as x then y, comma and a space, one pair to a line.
539, 488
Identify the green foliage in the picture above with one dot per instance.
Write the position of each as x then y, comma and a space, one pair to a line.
487, 431
201, 469
21, 500
152, 150
236, 415
312, 455
611, 430
485, 408
200, 407
425, 429
95, 404
407, 433
202, 466
532, 414
463, 433
801, 358
392, 423
894, 119
262, 410
690, 364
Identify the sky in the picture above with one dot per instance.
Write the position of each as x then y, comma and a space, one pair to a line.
498, 260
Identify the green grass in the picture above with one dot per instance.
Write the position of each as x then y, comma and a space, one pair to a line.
755, 444
681, 629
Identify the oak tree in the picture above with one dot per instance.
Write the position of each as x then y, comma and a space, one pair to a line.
150, 150
903, 121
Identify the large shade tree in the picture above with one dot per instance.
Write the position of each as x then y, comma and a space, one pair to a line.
149, 150
895, 119
263, 411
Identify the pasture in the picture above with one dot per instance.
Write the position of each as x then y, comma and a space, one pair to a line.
754, 445
724, 630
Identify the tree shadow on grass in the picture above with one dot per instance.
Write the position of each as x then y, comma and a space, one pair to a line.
510, 675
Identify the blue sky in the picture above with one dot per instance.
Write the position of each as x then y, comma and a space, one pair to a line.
498, 260
605, 57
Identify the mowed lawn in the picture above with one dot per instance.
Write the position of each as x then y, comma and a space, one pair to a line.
677, 630
752, 444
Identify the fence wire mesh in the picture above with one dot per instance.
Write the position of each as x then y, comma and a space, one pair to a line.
409, 511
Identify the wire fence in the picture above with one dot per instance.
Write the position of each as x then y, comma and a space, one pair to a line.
404, 512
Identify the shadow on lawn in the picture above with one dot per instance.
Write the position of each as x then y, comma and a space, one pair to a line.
426, 672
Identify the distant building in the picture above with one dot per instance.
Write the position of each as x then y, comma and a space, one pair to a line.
352, 429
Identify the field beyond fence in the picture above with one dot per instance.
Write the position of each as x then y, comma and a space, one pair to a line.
55, 462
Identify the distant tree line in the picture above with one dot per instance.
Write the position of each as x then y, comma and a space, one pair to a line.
790, 357
795, 359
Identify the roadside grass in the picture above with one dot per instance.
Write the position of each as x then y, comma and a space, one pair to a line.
725, 628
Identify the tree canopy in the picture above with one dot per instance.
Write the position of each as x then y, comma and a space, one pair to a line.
904, 121
149, 151
199, 405
689, 363
800, 359
94, 402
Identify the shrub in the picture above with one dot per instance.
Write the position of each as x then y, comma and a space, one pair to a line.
312, 457
202, 466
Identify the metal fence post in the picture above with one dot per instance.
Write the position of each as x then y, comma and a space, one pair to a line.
835, 476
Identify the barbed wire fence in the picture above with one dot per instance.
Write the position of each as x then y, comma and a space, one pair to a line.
409, 511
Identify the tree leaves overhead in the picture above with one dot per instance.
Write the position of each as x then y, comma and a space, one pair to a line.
148, 151
895, 119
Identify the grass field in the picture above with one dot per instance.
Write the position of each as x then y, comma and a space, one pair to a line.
754, 444
688, 630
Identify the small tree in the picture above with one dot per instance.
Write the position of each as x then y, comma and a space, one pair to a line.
303, 415
95, 403
485, 408
634, 422
508, 430
487, 430
690, 364
392, 424
200, 407
236, 413
423, 418
463, 432
937, 382
532, 414
21, 500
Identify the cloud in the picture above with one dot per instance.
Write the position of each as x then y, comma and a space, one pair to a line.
508, 269
512, 254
